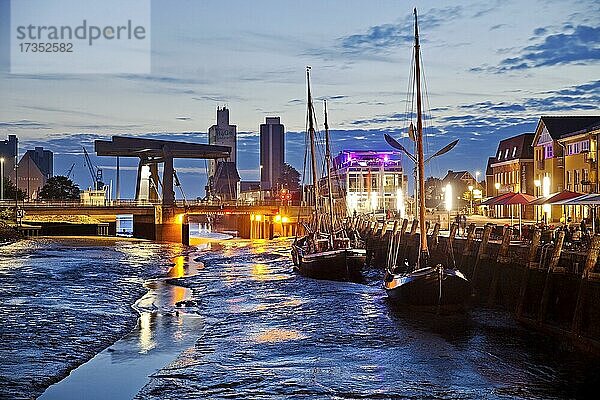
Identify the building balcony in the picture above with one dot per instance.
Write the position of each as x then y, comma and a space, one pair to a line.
590, 158
541, 164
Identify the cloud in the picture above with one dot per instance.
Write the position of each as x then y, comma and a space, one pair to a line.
382, 119
23, 124
162, 79
381, 38
579, 97
577, 45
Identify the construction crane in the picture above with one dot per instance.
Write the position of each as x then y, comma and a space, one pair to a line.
95, 172
69, 171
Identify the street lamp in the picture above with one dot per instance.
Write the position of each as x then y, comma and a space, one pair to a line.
537, 184
497, 186
448, 201
1, 178
471, 198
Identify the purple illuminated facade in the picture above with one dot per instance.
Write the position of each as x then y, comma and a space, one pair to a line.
373, 181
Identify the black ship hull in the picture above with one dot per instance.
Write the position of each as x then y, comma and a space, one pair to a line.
338, 265
435, 289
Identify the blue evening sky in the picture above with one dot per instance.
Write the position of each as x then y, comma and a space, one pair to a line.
492, 69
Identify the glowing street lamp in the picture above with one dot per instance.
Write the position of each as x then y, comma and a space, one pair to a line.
497, 186
547, 208
471, 198
537, 184
448, 201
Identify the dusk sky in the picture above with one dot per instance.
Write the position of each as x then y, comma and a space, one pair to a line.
492, 69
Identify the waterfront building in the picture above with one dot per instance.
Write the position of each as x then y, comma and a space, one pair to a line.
33, 170
372, 181
9, 149
460, 181
512, 171
223, 134
560, 140
272, 152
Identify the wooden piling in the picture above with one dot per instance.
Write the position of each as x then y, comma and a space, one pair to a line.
470, 238
548, 282
481, 252
435, 240
531, 264
590, 264
500, 259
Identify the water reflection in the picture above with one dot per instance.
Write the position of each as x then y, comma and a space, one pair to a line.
146, 342
275, 335
164, 330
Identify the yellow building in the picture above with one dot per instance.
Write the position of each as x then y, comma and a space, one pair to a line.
565, 159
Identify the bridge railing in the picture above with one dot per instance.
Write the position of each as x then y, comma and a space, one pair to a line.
140, 203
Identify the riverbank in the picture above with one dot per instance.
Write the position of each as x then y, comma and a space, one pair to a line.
168, 323
66, 299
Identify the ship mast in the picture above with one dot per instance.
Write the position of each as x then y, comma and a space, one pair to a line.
311, 134
329, 185
424, 253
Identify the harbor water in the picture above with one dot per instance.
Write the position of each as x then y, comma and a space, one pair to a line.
230, 319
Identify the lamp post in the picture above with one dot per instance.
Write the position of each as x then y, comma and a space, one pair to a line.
471, 198
448, 201
537, 184
497, 186
1, 178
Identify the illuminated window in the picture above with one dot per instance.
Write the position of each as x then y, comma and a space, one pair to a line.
514, 151
585, 145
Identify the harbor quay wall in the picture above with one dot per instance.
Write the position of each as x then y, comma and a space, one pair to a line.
546, 286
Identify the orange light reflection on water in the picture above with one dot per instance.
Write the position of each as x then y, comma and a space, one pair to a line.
276, 335
178, 269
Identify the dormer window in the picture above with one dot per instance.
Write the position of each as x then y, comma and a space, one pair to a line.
514, 151
499, 155
506, 154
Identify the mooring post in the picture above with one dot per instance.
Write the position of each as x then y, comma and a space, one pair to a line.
401, 243
590, 264
481, 252
531, 264
383, 229
391, 246
435, 236
470, 238
500, 259
414, 226
548, 282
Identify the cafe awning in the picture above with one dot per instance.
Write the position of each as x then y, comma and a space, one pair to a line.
494, 200
555, 198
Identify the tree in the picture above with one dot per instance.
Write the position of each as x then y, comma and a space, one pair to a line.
59, 188
289, 178
10, 189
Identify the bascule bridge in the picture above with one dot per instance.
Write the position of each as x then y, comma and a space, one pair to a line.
166, 223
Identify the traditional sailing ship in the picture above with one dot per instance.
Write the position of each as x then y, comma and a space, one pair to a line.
429, 287
328, 249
